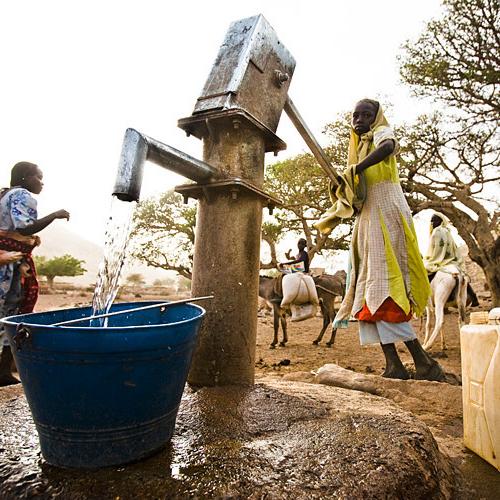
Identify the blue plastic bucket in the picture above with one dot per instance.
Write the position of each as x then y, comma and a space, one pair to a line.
104, 396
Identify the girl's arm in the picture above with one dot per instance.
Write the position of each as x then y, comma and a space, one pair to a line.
42, 223
377, 155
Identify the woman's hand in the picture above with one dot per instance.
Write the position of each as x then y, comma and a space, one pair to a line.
8, 257
42, 223
61, 214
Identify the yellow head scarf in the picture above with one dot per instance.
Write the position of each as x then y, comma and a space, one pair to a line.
349, 195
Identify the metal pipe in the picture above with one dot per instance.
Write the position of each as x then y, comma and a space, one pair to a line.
310, 140
137, 148
179, 162
129, 175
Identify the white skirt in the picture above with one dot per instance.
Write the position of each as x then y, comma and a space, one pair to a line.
382, 332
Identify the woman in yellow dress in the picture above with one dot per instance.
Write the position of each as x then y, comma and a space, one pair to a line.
387, 282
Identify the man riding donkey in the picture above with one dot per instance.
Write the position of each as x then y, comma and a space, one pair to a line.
386, 280
443, 252
301, 261
294, 287
450, 282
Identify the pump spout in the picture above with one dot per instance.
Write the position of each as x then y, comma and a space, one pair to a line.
137, 148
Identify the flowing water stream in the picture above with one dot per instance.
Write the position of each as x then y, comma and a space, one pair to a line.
117, 234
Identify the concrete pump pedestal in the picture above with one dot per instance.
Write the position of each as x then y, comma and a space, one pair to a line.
227, 250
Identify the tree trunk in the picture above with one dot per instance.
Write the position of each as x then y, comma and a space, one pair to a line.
50, 281
492, 273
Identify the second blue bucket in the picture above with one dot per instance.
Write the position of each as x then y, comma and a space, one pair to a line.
104, 396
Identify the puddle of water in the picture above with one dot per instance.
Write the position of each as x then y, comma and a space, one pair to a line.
117, 234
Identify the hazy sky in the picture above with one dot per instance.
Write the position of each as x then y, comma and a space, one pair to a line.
76, 74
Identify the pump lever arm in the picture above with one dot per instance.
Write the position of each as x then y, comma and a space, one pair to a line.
310, 140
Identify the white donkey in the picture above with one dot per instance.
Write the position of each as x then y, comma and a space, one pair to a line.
442, 287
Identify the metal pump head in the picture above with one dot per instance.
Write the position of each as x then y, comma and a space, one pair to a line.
252, 73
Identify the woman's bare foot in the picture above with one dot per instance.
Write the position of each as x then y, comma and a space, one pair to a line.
396, 372
431, 371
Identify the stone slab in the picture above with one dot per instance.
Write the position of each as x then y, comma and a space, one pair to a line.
279, 439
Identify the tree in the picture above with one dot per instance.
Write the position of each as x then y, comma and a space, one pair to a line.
452, 160
135, 279
457, 59
302, 187
65, 265
451, 171
167, 282
163, 233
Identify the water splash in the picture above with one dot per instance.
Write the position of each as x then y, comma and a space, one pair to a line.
117, 235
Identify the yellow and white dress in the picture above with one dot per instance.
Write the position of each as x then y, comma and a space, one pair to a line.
384, 258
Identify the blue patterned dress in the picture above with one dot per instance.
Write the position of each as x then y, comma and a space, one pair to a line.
17, 210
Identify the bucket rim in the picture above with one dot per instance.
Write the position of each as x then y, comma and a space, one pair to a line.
8, 320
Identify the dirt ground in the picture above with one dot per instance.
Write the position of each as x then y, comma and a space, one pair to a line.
443, 416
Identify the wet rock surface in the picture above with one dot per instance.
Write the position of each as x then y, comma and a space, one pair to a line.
280, 439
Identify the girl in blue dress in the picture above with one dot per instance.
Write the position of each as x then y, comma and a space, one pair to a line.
19, 224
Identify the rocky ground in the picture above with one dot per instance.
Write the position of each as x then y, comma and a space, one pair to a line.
439, 406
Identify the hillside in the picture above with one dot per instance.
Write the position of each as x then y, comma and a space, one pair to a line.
58, 240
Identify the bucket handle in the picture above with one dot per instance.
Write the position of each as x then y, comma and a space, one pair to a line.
143, 308
22, 336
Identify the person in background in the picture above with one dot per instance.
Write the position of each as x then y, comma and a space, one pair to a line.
386, 280
19, 224
442, 248
443, 251
298, 265
301, 257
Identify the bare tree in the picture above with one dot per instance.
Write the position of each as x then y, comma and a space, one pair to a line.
455, 172
456, 59
302, 187
163, 233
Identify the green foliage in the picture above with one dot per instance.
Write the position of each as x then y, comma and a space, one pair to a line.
135, 279
457, 59
272, 231
163, 233
65, 265
449, 159
302, 186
